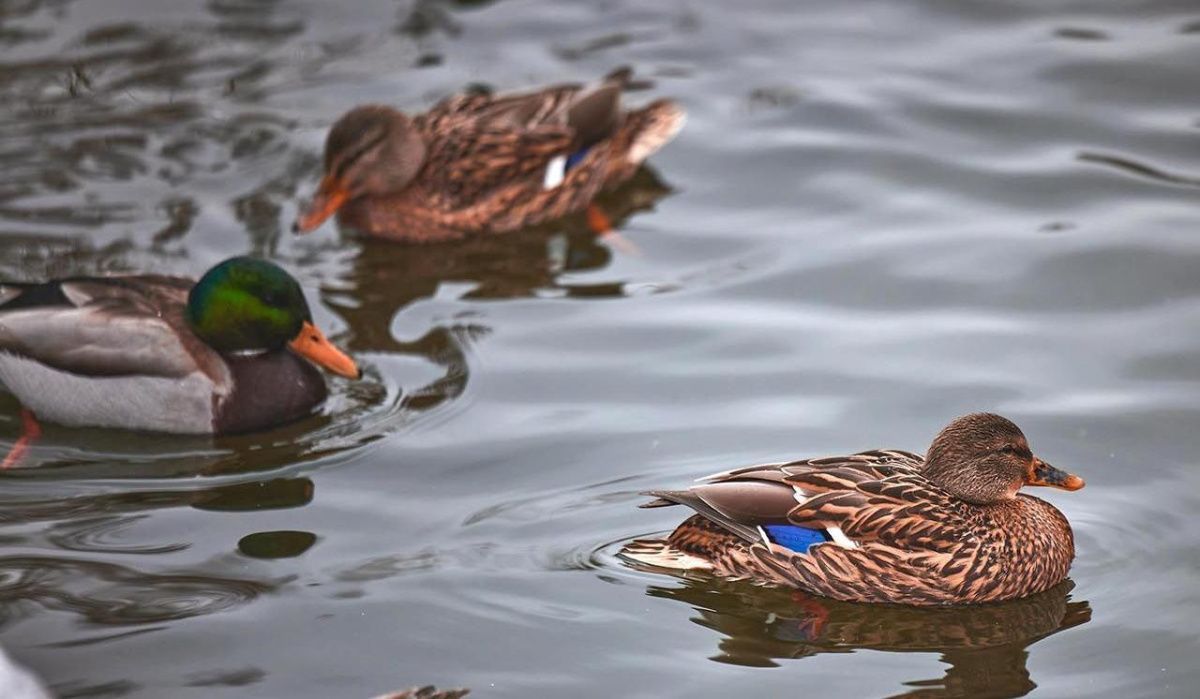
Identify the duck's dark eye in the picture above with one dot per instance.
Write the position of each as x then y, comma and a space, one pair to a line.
1008, 449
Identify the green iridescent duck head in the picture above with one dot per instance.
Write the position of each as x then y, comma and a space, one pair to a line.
247, 305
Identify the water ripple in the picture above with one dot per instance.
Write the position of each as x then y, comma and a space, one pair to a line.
109, 594
104, 535
1134, 167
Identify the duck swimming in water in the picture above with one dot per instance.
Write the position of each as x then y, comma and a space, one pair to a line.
478, 164
229, 353
882, 526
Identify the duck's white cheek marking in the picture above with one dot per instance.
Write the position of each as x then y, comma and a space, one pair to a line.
839, 537
556, 172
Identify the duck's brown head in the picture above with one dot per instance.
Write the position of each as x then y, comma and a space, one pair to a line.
371, 150
984, 458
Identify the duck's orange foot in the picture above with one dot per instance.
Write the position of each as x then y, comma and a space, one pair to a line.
30, 431
600, 224
813, 624
598, 221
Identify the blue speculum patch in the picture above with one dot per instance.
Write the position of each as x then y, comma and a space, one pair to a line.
574, 158
797, 539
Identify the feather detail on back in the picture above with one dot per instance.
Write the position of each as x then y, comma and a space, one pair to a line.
108, 327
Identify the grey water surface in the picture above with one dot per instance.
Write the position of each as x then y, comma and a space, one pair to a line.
879, 216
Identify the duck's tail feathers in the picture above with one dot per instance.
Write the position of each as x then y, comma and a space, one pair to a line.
658, 553
625, 78
594, 114
662, 498
719, 520
620, 75
658, 122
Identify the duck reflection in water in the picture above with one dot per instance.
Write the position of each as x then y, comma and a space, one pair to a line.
985, 646
385, 277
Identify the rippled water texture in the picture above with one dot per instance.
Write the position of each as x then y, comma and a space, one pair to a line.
880, 215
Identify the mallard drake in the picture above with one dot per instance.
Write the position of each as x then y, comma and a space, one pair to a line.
882, 526
477, 163
167, 354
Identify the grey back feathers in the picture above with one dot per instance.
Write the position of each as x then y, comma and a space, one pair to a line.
110, 353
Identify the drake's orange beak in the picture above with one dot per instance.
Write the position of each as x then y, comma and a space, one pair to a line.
313, 346
330, 197
1042, 473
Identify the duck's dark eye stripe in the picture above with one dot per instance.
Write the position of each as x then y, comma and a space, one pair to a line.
1013, 449
339, 169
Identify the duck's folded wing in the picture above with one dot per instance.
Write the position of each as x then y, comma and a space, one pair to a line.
480, 160
876, 499
102, 327
518, 139
909, 541
592, 112
739, 506
864, 496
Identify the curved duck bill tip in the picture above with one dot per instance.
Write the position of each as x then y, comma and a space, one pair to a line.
1044, 474
312, 344
329, 198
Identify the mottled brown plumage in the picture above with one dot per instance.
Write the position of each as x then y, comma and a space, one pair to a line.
950, 529
477, 163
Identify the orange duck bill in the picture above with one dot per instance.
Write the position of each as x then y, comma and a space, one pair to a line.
1042, 473
330, 197
313, 346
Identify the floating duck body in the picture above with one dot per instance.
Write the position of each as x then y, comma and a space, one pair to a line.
166, 354
882, 526
482, 164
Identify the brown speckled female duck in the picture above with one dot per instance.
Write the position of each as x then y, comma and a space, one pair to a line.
882, 526
477, 163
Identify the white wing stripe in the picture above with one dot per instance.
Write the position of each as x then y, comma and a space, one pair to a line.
840, 538
556, 172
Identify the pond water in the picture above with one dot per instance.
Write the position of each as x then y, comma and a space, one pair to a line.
881, 215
